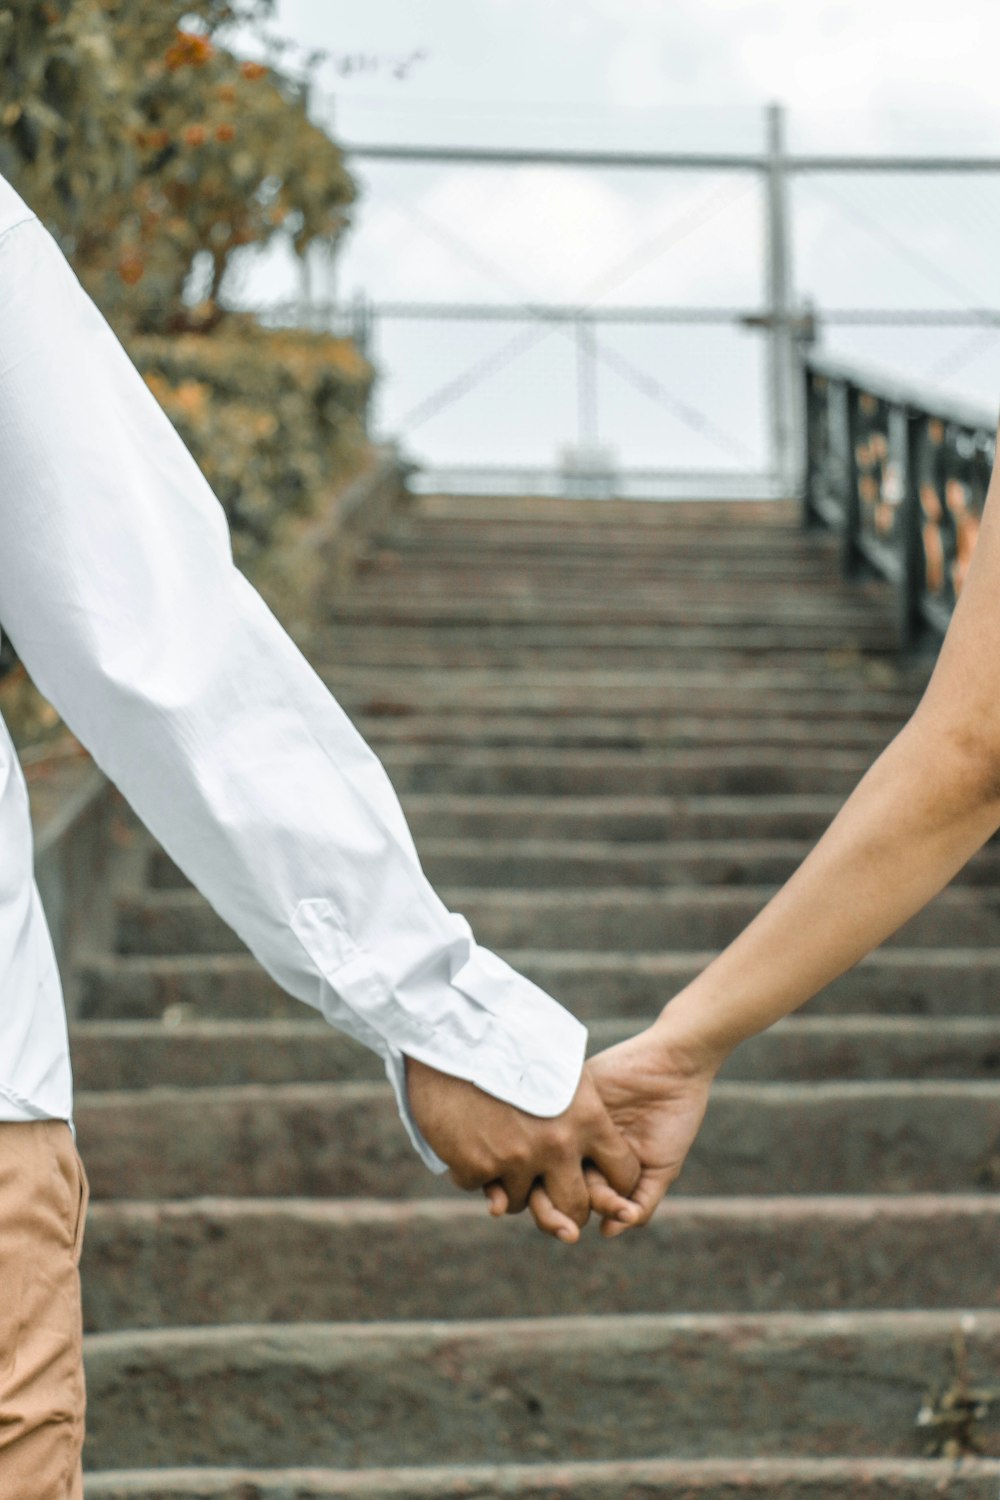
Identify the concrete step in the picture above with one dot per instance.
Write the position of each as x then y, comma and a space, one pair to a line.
507, 536
155, 987
430, 545
511, 864
464, 640
374, 604
763, 556
448, 509
651, 1479
402, 652
550, 865
745, 720
188, 1053
669, 920
451, 509
499, 578
488, 565
708, 521
622, 819
378, 1395
678, 918
469, 770
345, 1140
898, 981
641, 594
849, 688
230, 1260
384, 730
529, 551
517, 594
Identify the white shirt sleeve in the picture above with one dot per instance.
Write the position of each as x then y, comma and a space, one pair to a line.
118, 589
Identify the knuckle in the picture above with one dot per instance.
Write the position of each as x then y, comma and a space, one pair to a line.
517, 1154
562, 1137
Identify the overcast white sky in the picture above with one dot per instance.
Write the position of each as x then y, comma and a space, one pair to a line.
855, 75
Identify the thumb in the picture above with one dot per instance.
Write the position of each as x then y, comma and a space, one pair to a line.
647, 1195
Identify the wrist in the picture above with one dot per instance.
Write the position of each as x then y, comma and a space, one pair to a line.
685, 1030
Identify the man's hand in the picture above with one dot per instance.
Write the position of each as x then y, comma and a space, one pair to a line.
485, 1141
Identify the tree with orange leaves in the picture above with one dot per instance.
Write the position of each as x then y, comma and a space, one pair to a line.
142, 144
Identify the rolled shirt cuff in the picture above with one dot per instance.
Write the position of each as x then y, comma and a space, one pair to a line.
493, 1027
531, 1054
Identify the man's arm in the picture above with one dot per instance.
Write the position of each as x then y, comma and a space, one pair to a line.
118, 588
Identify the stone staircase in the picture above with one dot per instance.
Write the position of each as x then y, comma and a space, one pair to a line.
615, 728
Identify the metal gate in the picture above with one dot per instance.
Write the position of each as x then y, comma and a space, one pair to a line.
591, 392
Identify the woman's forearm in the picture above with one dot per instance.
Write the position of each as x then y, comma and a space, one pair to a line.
918, 815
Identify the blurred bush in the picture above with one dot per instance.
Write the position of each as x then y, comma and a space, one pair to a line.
143, 145
146, 146
262, 411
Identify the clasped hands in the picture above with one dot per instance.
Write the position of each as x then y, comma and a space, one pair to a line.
614, 1152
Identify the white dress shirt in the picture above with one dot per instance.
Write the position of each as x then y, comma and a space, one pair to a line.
118, 589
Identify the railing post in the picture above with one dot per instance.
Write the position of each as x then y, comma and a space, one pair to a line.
851, 561
781, 344
912, 567
810, 405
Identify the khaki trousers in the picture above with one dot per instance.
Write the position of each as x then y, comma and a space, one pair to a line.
43, 1204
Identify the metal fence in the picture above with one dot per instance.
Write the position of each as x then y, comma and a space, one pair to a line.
901, 475
656, 396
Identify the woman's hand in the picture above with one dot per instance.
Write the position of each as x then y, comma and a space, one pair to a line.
657, 1095
655, 1090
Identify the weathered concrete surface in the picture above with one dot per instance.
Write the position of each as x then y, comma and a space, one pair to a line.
624, 732
850, 685
152, 987
650, 1479
553, 864
229, 1261
646, 607
341, 1140
626, 818
586, 773
893, 981
614, 731
383, 1394
468, 642
109, 1055
671, 919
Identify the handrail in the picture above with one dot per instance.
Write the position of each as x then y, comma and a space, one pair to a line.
900, 471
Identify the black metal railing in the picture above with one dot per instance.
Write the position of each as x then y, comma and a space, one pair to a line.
901, 474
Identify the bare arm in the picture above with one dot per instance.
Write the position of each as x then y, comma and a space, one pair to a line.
923, 809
